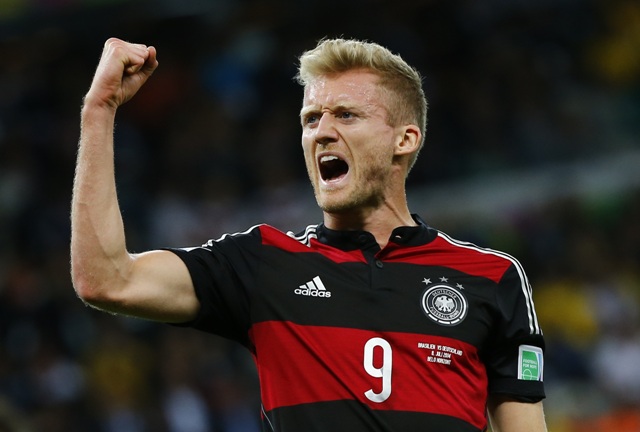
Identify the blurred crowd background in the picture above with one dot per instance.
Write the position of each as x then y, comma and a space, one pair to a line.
533, 147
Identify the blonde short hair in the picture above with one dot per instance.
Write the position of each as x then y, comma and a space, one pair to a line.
406, 102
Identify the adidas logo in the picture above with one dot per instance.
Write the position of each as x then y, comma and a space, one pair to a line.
313, 288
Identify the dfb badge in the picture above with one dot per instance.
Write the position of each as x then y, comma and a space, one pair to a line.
444, 304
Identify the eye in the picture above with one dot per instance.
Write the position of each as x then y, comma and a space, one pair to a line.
310, 119
346, 115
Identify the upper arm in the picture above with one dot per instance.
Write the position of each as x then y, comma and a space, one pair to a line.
154, 285
507, 415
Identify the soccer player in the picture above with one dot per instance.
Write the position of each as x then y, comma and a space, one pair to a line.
370, 321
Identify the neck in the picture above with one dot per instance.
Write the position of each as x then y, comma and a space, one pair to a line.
380, 221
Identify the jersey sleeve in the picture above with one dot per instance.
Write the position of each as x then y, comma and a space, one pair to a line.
223, 273
515, 356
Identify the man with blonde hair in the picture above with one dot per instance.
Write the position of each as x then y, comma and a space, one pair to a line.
369, 321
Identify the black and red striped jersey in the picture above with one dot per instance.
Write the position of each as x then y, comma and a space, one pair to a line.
350, 337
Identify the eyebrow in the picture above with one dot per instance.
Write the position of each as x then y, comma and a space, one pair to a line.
306, 110
337, 108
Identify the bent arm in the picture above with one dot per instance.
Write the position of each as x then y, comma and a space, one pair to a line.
512, 416
154, 285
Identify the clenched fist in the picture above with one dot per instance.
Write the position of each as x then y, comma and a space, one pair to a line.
123, 68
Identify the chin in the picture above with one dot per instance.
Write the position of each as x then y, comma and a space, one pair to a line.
334, 204
330, 203
336, 208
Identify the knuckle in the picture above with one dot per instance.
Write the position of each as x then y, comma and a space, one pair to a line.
111, 41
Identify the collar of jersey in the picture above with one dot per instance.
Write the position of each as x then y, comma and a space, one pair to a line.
404, 236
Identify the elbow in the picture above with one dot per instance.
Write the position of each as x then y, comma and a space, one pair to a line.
90, 289
99, 278
86, 289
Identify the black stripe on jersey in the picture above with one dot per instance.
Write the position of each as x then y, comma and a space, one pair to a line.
351, 416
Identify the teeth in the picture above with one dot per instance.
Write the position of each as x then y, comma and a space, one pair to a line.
328, 158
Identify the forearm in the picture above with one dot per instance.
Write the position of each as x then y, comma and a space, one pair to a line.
98, 248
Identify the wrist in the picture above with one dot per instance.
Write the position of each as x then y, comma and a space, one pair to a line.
91, 103
96, 115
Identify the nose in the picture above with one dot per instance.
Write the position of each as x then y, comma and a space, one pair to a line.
326, 132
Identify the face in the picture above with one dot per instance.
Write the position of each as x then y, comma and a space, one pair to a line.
348, 144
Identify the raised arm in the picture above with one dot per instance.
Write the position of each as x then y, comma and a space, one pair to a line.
154, 285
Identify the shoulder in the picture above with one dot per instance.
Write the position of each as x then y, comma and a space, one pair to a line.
461, 246
266, 235
473, 259
305, 236
515, 290
254, 231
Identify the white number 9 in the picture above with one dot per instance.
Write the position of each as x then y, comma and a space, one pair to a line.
383, 371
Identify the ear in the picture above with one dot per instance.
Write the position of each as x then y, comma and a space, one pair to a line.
409, 140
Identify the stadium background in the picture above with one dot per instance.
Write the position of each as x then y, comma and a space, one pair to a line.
533, 147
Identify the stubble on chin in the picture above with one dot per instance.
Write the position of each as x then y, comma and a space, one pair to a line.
353, 201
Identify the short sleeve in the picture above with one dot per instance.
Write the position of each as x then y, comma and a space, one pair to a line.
223, 274
515, 355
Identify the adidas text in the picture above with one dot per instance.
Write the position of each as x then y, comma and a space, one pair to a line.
312, 293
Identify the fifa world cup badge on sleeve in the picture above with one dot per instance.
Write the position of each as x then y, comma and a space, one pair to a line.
530, 363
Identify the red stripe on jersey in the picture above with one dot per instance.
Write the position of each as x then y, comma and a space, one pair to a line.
439, 252
305, 364
274, 237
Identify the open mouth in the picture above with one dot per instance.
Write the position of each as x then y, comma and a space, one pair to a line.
332, 168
